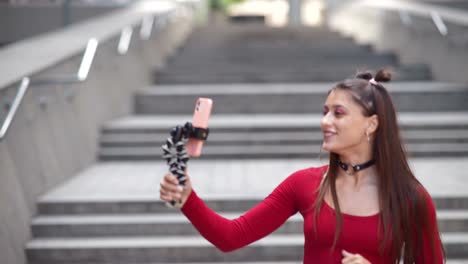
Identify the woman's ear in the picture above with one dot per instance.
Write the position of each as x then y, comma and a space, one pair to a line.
373, 124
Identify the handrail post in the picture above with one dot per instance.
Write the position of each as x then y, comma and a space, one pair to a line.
88, 58
146, 27
124, 41
439, 23
23, 88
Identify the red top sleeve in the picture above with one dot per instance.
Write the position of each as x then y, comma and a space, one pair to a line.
261, 220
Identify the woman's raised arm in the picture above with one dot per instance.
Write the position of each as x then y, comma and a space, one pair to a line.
227, 234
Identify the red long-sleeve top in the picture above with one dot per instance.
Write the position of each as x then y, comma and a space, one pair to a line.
297, 193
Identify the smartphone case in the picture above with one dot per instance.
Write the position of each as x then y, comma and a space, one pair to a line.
201, 114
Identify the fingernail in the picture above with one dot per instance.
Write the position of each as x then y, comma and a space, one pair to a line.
180, 188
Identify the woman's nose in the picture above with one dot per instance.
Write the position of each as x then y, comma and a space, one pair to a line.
326, 120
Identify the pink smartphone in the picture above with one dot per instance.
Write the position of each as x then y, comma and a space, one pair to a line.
201, 114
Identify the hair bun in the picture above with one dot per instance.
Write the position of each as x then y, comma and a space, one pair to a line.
383, 75
364, 75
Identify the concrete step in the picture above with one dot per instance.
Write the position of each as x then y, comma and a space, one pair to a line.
159, 249
264, 66
276, 136
131, 225
279, 122
237, 44
332, 51
136, 139
271, 151
219, 203
289, 57
185, 248
292, 98
256, 64
173, 224
219, 74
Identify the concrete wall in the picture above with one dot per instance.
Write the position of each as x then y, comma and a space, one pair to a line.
20, 22
419, 42
49, 143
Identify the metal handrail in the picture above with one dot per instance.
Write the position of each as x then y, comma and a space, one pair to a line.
146, 29
80, 76
83, 70
406, 20
22, 89
437, 14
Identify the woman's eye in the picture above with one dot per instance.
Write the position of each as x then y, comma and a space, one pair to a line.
338, 113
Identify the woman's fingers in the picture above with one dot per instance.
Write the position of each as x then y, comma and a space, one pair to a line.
170, 178
169, 188
170, 183
350, 258
176, 195
166, 198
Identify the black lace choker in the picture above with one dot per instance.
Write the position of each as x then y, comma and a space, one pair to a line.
356, 168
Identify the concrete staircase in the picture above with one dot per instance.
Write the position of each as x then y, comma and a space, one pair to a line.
281, 136
147, 232
286, 123
265, 119
255, 54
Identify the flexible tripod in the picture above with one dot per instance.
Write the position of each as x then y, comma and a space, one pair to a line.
175, 152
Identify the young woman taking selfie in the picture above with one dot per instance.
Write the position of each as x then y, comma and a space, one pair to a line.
364, 206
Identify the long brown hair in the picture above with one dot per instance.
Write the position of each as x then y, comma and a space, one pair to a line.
400, 197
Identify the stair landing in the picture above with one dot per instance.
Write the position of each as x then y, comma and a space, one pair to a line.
112, 181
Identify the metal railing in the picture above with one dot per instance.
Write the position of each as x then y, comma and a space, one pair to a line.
83, 70
22, 89
146, 29
438, 14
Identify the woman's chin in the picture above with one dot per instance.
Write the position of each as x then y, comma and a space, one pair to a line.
326, 146
330, 147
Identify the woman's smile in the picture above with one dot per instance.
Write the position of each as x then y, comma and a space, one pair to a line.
328, 134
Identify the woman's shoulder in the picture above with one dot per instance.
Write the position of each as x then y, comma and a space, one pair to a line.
308, 176
302, 185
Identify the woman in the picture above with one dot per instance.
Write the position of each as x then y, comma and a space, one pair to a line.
365, 206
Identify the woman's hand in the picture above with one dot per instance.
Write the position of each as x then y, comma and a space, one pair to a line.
171, 191
350, 258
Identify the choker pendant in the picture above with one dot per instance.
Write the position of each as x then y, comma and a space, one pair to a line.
355, 168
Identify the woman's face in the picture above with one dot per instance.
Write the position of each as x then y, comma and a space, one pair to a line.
343, 124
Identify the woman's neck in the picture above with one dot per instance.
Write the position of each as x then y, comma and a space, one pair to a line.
367, 176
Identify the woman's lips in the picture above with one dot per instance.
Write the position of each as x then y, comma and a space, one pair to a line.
327, 135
